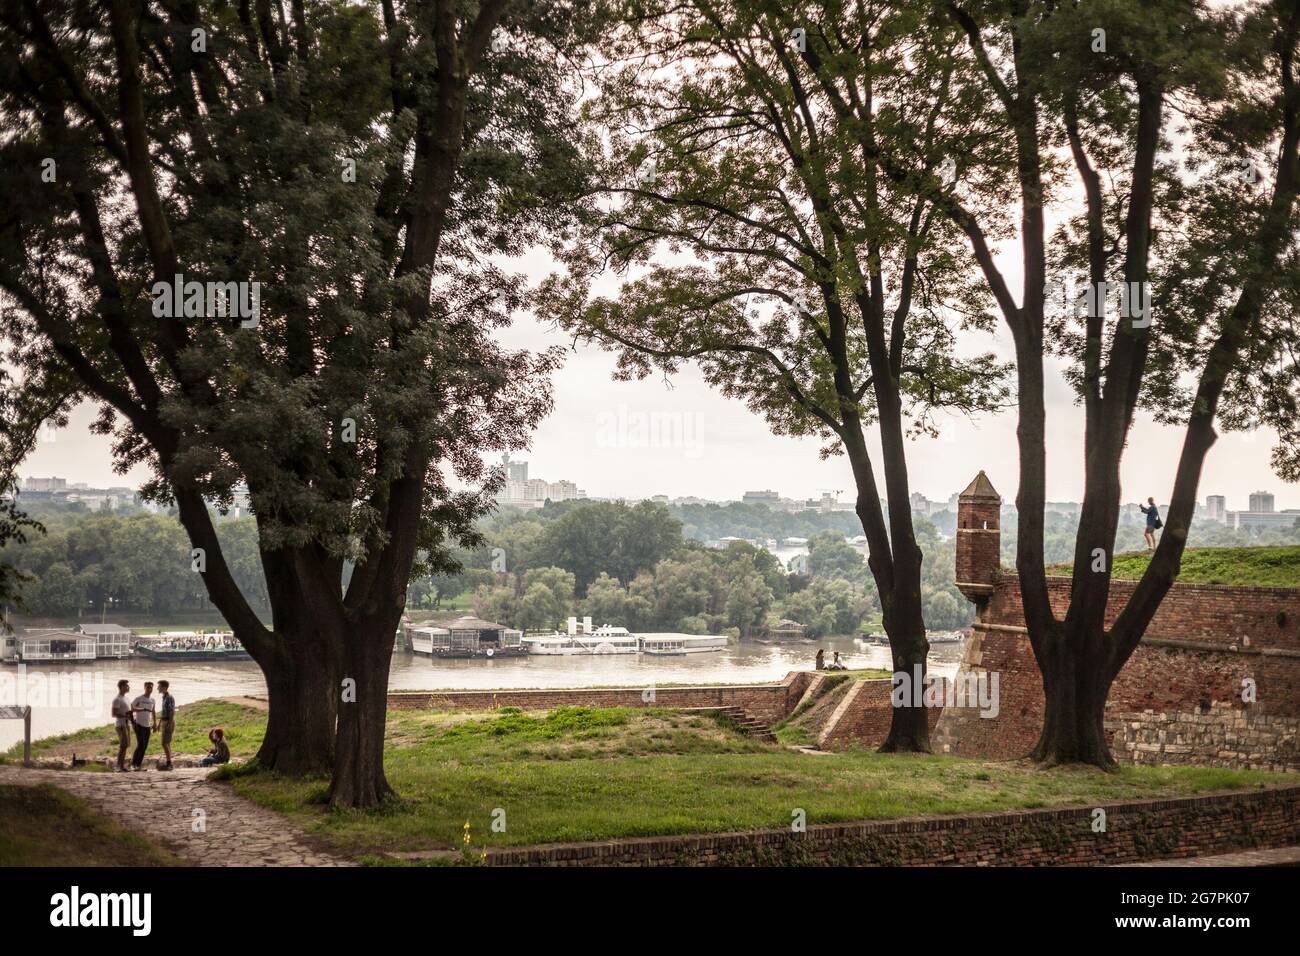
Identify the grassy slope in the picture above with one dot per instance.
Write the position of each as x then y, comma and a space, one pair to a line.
243, 725
588, 774
1247, 567
44, 826
800, 729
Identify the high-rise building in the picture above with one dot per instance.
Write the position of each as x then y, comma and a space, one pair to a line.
769, 498
45, 484
1216, 507
1261, 502
515, 470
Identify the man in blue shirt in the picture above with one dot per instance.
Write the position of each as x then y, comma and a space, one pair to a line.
166, 722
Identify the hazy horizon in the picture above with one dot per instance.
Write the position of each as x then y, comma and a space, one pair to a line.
712, 447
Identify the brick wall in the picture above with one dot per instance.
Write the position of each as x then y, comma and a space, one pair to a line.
1209, 613
1135, 831
768, 702
861, 720
1179, 697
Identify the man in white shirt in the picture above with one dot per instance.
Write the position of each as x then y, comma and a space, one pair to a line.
122, 723
142, 709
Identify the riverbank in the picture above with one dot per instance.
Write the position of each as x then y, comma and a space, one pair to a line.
55, 711
513, 778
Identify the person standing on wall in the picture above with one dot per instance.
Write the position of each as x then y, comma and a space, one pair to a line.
1153, 522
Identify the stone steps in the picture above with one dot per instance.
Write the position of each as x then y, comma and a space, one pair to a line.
749, 725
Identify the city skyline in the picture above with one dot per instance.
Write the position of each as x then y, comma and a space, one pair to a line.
519, 471
679, 437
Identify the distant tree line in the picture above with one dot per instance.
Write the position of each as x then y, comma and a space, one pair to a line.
635, 566
139, 563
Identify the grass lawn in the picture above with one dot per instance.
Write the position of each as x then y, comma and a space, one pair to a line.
581, 773
243, 725
1244, 567
44, 826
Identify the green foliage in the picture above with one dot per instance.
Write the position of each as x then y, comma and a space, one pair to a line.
736, 519
1243, 567
829, 606
139, 564
14, 529
829, 555
609, 536
1060, 531
609, 602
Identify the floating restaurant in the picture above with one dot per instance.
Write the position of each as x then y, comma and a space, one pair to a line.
39, 646
465, 637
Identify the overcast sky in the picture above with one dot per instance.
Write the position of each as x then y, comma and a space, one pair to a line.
716, 448
600, 436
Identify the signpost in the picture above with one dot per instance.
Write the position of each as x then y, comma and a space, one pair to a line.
25, 715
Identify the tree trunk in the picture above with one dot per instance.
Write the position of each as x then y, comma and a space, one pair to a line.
301, 716
358, 779
304, 665
896, 567
909, 725
1075, 687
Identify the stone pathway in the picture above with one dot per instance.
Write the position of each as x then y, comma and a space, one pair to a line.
1283, 856
204, 823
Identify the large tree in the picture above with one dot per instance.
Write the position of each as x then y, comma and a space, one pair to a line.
758, 242
1163, 137
362, 162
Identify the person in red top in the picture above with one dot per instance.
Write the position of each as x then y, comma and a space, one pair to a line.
220, 752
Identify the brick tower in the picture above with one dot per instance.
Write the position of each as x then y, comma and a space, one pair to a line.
979, 539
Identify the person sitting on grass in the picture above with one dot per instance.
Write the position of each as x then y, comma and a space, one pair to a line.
220, 752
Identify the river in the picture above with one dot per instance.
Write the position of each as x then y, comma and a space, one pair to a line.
66, 698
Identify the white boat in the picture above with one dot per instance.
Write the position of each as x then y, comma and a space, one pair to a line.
945, 637
672, 645
582, 638
87, 642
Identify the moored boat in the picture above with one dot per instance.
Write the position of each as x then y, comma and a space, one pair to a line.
466, 637
672, 645
582, 638
181, 646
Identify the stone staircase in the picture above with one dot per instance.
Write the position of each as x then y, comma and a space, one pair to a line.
748, 724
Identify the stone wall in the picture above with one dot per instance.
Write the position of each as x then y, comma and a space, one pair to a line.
767, 702
1135, 831
1179, 697
1223, 735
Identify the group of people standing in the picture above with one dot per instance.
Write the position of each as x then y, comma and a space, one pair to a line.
145, 716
